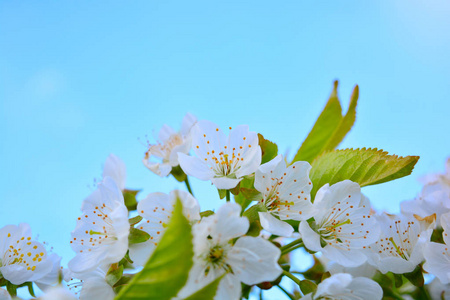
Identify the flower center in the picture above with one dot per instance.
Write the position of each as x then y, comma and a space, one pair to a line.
163, 150
23, 252
226, 165
100, 229
215, 254
216, 259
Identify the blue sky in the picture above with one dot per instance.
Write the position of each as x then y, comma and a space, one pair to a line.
80, 80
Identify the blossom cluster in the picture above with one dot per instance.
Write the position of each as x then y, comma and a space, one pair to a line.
357, 246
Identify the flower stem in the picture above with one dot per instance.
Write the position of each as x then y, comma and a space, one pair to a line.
292, 277
228, 195
286, 292
286, 248
186, 181
292, 249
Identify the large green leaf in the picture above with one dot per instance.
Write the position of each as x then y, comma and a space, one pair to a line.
208, 292
167, 270
364, 166
330, 128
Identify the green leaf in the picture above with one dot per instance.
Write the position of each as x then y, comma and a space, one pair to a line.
206, 213
398, 280
235, 191
330, 128
126, 278
3, 281
30, 289
222, 193
316, 271
246, 289
364, 166
250, 195
137, 236
346, 123
167, 270
178, 174
11, 288
135, 220
415, 277
252, 212
269, 149
307, 287
254, 229
246, 184
114, 274
208, 292
129, 197
126, 260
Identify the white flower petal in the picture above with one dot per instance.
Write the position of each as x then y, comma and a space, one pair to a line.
115, 168
102, 230
160, 169
22, 259
229, 223
193, 166
224, 183
165, 133
57, 293
437, 261
4, 295
191, 207
183, 148
207, 136
188, 122
229, 288
310, 238
252, 162
269, 166
347, 258
286, 190
96, 288
275, 226
344, 286
53, 276
255, 260
445, 223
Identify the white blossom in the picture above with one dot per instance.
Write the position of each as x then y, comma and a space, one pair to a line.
433, 199
286, 194
222, 160
443, 180
250, 260
157, 209
22, 259
170, 144
95, 288
439, 291
90, 285
364, 270
400, 246
115, 168
4, 295
101, 233
58, 293
437, 256
342, 224
343, 286
53, 276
